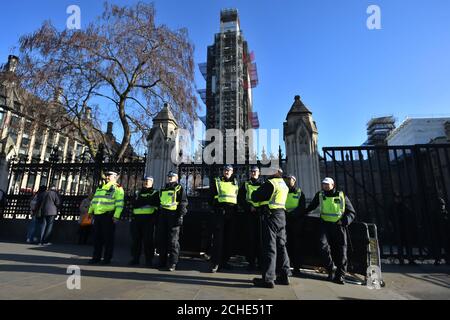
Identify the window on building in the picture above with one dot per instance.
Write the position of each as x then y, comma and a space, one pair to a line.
17, 106
50, 142
38, 143
2, 117
26, 138
24, 144
61, 145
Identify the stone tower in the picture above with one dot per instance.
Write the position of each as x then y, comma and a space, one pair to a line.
161, 143
300, 137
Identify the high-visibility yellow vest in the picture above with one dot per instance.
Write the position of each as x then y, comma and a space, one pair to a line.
293, 200
250, 188
108, 198
146, 209
332, 208
279, 194
169, 199
226, 191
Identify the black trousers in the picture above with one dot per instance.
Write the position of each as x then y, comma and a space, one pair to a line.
168, 238
293, 227
104, 228
274, 245
83, 234
222, 232
254, 247
142, 233
333, 239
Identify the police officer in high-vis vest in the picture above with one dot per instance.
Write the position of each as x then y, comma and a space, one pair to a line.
173, 207
143, 221
273, 195
295, 209
336, 213
106, 206
253, 212
224, 192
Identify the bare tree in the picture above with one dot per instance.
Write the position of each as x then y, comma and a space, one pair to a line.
122, 61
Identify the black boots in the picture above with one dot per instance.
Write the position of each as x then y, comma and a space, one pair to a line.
261, 283
282, 280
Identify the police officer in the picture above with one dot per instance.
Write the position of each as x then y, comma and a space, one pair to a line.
336, 213
173, 206
295, 209
273, 195
143, 222
224, 192
106, 206
253, 212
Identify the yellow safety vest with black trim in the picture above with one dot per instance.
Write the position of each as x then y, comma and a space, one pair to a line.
279, 194
168, 198
250, 188
226, 191
332, 208
293, 200
108, 198
146, 209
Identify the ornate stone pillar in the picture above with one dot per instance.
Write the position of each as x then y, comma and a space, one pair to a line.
161, 143
301, 136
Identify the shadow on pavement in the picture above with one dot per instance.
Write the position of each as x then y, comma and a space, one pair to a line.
130, 274
442, 281
419, 268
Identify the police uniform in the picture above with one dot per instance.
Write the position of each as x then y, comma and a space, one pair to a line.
253, 215
143, 221
336, 213
295, 209
224, 201
173, 206
272, 195
107, 204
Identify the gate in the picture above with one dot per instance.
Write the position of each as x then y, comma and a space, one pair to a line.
399, 189
74, 181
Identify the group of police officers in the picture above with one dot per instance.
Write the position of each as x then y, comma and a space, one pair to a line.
274, 209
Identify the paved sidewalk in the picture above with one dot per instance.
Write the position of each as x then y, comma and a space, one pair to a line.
40, 272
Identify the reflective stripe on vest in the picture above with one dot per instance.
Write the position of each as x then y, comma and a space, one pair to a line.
250, 188
293, 200
226, 192
147, 209
103, 200
279, 194
168, 199
332, 208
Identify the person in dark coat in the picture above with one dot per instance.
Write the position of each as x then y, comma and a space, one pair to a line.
223, 202
253, 214
336, 214
295, 211
173, 207
273, 195
48, 206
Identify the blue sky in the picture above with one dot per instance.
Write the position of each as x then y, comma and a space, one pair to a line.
321, 50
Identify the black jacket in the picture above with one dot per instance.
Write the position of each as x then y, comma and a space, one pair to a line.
242, 194
141, 200
349, 214
181, 197
213, 192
